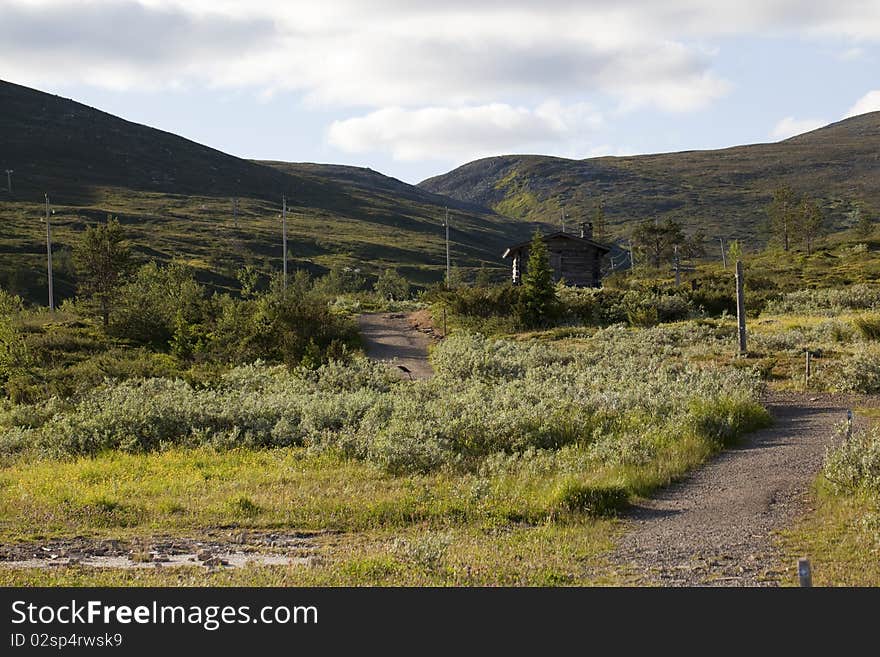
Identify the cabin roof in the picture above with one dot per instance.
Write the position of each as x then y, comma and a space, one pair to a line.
516, 247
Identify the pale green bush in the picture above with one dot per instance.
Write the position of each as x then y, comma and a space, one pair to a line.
619, 390
827, 302
855, 463
857, 373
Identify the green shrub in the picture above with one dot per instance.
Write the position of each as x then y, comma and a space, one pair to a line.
857, 373
391, 285
723, 420
154, 303
827, 302
488, 397
855, 464
868, 327
599, 501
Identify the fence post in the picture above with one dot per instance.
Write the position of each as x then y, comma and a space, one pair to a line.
740, 308
849, 423
808, 369
805, 576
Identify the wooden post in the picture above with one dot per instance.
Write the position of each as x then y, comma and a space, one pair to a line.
849, 423
740, 308
677, 268
808, 369
805, 576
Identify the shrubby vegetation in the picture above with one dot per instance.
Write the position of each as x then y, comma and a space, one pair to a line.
854, 465
827, 302
621, 402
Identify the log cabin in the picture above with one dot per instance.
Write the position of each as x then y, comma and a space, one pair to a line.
577, 259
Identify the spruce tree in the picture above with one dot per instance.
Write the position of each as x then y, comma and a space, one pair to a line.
538, 304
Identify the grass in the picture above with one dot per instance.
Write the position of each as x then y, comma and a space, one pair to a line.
841, 537
544, 555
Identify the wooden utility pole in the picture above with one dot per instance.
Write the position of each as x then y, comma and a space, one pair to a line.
677, 267
740, 308
448, 266
284, 237
49, 254
723, 254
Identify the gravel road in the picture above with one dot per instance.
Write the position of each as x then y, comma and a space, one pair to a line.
716, 527
393, 337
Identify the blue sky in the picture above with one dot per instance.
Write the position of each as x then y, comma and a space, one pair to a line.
414, 88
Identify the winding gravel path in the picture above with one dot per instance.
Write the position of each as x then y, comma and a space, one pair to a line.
392, 337
716, 526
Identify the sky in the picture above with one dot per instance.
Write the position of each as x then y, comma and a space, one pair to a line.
414, 88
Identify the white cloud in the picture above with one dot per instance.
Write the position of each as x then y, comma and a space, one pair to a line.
476, 70
466, 133
870, 102
790, 126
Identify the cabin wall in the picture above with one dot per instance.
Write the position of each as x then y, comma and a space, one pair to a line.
577, 263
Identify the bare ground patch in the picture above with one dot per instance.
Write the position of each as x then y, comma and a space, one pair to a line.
402, 339
215, 548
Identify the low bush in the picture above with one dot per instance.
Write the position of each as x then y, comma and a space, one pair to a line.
855, 463
827, 302
868, 327
594, 500
488, 397
859, 372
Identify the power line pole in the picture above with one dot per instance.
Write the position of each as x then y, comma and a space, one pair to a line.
740, 309
284, 236
49, 254
9, 173
723, 254
448, 268
677, 267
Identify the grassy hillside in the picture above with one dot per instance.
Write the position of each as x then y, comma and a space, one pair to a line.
175, 198
723, 191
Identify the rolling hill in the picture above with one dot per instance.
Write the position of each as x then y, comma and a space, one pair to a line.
724, 192
174, 197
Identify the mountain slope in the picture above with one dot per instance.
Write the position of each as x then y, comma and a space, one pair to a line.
175, 198
724, 191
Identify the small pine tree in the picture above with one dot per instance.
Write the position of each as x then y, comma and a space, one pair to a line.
811, 223
864, 223
102, 258
538, 303
783, 215
599, 221
391, 285
734, 251
483, 277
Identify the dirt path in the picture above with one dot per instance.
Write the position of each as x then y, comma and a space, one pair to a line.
716, 527
393, 337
